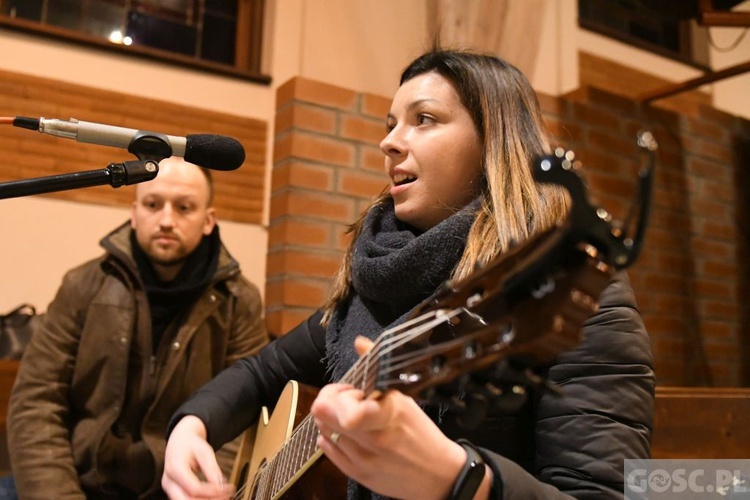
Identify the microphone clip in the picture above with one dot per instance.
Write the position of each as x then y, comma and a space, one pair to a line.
150, 146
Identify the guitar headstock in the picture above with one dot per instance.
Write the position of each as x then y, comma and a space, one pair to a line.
592, 223
522, 309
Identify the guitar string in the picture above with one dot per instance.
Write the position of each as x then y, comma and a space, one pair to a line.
357, 374
307, 432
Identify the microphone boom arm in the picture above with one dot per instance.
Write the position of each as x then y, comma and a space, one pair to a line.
115, 174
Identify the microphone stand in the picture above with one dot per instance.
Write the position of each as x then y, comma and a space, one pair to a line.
150, 150
116, 175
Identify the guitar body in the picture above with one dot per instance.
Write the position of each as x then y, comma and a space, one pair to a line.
322, 480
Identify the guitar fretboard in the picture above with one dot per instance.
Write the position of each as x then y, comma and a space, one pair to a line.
372, 370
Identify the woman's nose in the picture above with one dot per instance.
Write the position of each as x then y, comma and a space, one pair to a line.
393, 143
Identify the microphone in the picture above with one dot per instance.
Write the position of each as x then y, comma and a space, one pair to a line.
216, 152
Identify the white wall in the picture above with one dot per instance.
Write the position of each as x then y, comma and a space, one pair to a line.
42, 238
362, 45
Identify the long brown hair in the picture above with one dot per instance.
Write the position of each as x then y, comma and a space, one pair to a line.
506, 114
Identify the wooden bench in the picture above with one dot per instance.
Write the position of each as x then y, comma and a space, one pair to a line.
701, 422
8, 370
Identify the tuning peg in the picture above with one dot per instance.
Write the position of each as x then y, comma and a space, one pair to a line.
511, 400
473, 410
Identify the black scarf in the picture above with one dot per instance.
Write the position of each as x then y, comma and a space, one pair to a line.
169, 299
394, 268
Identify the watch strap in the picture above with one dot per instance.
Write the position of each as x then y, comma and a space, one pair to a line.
471, 474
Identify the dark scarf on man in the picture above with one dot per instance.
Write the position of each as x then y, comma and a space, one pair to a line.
170, 299
394, 268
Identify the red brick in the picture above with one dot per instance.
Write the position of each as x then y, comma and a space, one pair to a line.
564, 131
705, 247
611, 185
312, 205
289, 231
706, 129
343, 237
596, 118
675, 304
718, 309
298, 292
361, 184
668, 198
305, 117
722, 269
324, 94
364, 130
717, 229
371, 158
376, 106
313, 147
671, 220
716, 330
314, 264
717, 190
298, 174
715, 171
552, 105
709, 150
718, 116
613, 144
711, 209
665, 324
622, 105
671, 345
660, 282
282, 321
707, 287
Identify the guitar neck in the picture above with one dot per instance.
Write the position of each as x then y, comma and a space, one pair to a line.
300, 451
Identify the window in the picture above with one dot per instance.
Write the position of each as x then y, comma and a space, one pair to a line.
222, 35
663, 27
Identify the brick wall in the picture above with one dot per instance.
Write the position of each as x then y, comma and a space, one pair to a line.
690, 275
327, 169
27, 155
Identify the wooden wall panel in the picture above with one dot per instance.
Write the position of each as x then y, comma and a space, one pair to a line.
26, 154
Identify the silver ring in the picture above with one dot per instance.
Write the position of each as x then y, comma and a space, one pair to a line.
335, 437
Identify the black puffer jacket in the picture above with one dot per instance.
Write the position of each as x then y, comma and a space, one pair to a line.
553, 447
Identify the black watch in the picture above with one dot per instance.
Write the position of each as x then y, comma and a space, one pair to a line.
471, 474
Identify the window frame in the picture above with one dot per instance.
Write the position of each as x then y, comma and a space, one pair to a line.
248, 43
687, 40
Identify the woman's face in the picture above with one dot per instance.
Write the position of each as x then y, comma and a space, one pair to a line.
433, 153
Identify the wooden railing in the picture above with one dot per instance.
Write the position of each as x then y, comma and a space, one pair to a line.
701, 422
8, 371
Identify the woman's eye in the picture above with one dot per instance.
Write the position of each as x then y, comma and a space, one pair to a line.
423, 118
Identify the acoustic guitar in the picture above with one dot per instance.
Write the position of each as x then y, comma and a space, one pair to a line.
518, 312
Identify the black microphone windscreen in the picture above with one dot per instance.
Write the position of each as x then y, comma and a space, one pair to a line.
217, 152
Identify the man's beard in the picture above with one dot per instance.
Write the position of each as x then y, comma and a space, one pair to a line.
175, 259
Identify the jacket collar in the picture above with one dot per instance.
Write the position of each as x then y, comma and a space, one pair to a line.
118, 246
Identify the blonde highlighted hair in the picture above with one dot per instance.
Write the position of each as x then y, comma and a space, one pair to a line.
506, 114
